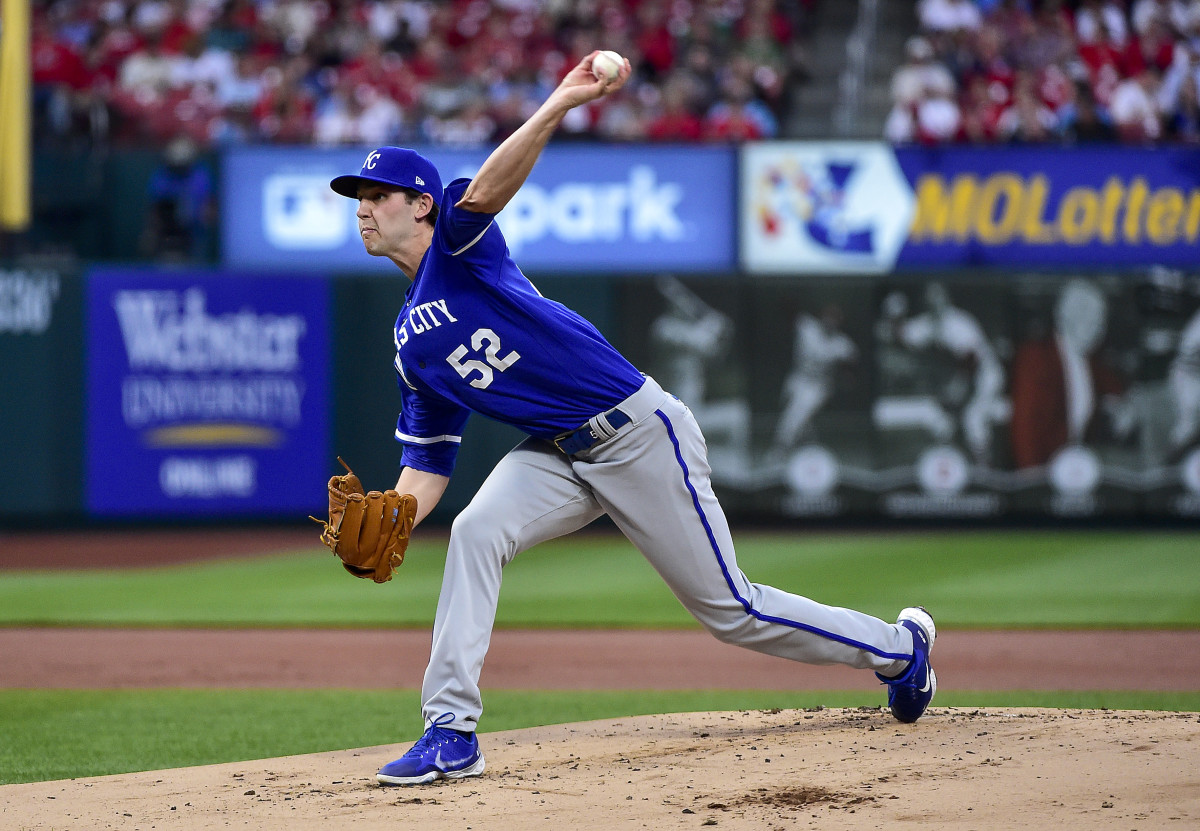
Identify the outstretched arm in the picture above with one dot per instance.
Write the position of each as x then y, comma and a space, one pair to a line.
426, 487
506, 169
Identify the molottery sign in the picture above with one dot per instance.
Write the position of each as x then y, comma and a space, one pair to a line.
208, 392
866, 207
583, 209
1053, 206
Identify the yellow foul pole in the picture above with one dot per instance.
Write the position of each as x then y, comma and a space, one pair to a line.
14, 115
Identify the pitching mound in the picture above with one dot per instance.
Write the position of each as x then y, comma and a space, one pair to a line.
849, 769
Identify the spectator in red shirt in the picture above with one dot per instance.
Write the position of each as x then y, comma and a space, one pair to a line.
1105, 60
54, 62
675, 120
1027, 120
991, 61
731, 118
982, 105
444, 47
654, 39
1153, 47
175, 33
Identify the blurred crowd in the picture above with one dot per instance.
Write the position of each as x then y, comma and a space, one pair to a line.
1046, 71
371, 72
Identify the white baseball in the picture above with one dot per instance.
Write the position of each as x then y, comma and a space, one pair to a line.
607, 65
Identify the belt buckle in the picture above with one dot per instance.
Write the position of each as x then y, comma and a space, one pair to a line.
575, 436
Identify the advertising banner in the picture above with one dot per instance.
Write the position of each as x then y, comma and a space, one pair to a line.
868, 208
207, 393
961, 397
40, 381
583, 209
777, 374
822, 207
1049, 206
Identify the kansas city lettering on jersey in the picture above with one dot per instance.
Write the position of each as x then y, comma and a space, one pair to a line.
422, 318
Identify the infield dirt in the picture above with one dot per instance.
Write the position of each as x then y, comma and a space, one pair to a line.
847, 769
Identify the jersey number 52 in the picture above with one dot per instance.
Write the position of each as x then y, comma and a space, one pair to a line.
488, 342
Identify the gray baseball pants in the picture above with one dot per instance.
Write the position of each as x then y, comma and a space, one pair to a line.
652, 479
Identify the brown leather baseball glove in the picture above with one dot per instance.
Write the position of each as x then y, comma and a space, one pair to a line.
367, 531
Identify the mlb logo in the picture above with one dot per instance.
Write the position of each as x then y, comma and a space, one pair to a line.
301, 213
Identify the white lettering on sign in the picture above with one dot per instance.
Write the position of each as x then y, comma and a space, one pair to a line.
150, 400
205, 478
27, 301
172, 330
642, 209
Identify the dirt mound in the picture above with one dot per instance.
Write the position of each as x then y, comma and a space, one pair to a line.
857, 768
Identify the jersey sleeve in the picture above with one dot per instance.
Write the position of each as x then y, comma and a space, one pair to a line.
430, 428
471, 238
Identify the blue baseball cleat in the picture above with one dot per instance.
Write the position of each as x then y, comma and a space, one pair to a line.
441, 753
910, 692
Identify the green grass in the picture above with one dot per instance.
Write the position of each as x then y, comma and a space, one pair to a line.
55, 734
1024, 579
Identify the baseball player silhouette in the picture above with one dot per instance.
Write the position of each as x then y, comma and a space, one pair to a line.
475, 335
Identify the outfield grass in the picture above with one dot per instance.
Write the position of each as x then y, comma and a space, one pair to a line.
971, 579
56, 734
1020, 579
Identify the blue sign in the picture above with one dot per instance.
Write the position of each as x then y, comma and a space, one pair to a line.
865, 207
584, 209
207, 393
1052, 206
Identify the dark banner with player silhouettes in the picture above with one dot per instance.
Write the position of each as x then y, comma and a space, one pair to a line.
969, 396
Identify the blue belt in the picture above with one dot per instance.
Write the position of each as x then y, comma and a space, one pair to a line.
585, 437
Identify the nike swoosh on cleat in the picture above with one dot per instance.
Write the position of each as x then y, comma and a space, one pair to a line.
437, 761
927, 686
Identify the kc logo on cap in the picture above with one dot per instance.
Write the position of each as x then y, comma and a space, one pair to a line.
396, 166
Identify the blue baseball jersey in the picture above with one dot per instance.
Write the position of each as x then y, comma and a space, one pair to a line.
476, 336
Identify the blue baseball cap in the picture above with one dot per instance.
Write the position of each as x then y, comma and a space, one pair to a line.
393, 166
